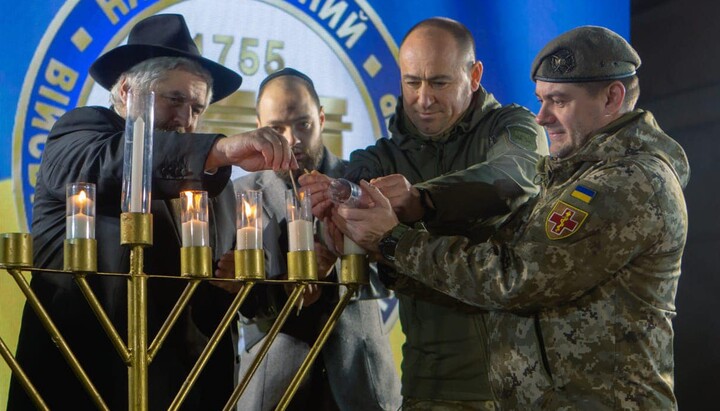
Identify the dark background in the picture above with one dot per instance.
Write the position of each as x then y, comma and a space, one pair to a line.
679, 43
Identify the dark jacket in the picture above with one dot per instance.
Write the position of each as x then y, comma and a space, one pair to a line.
487, 163
87, 144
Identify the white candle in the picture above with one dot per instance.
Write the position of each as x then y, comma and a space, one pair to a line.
195, 233
81, 221
136, 177
248, 238
80, 226
350, 247
300, 235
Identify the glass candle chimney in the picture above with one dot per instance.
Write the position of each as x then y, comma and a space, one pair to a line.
80, 210
137, 161
342, 191
249, 223
300, 221
194, 218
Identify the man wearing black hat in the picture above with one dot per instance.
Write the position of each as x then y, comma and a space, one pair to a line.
87, 144
356, 370
581, 282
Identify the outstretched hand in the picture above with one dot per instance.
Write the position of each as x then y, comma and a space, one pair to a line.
255, 150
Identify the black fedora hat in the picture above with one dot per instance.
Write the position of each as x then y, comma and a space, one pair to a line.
162, 35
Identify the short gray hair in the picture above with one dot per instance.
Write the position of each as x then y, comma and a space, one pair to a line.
146, 74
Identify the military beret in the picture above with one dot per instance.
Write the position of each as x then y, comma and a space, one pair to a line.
583, 54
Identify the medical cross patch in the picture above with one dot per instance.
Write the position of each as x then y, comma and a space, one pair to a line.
563, 221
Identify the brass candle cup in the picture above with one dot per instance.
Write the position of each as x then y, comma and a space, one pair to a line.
196, 262
16, 250
80, 255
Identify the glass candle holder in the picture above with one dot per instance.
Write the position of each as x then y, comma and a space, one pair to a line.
342, 191
137, 161
300, 221
249, 222
194, 218
80, 211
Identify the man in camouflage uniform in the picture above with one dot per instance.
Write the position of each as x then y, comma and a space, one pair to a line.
582, 281
446, 122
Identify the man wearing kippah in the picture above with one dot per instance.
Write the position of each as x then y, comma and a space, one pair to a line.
581, 282
355, 370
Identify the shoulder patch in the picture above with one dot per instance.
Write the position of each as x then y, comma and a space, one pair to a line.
522, 136
563, 221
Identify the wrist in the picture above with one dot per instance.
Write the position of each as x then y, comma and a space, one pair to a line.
216, 157
426, 203
389, 242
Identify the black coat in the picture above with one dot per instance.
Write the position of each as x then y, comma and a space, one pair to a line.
87, 144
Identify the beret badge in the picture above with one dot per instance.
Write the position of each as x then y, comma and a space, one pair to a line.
562, 61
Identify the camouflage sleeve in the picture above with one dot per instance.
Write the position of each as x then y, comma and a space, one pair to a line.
569, 243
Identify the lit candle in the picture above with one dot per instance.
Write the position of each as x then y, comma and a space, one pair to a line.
195, 232
80, 212
249, 222
136, 176
350, 247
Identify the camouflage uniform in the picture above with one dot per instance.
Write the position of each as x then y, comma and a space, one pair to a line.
444, 354
582, 283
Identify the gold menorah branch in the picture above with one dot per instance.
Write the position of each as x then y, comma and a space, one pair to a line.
172, 317
62, 345
136, 231
315, 350
265, 347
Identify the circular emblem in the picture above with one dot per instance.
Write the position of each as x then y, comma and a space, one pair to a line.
562, 61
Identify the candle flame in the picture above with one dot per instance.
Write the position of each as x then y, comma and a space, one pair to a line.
189, 195
250, 211
82, 198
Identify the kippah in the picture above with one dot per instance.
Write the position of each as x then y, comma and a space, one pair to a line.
287, 71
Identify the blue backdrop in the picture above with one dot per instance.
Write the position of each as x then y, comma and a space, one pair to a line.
508, 34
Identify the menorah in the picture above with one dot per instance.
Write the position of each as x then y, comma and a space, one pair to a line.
16, 257
80, 261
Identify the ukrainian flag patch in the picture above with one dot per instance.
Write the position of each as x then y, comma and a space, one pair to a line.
583, 194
